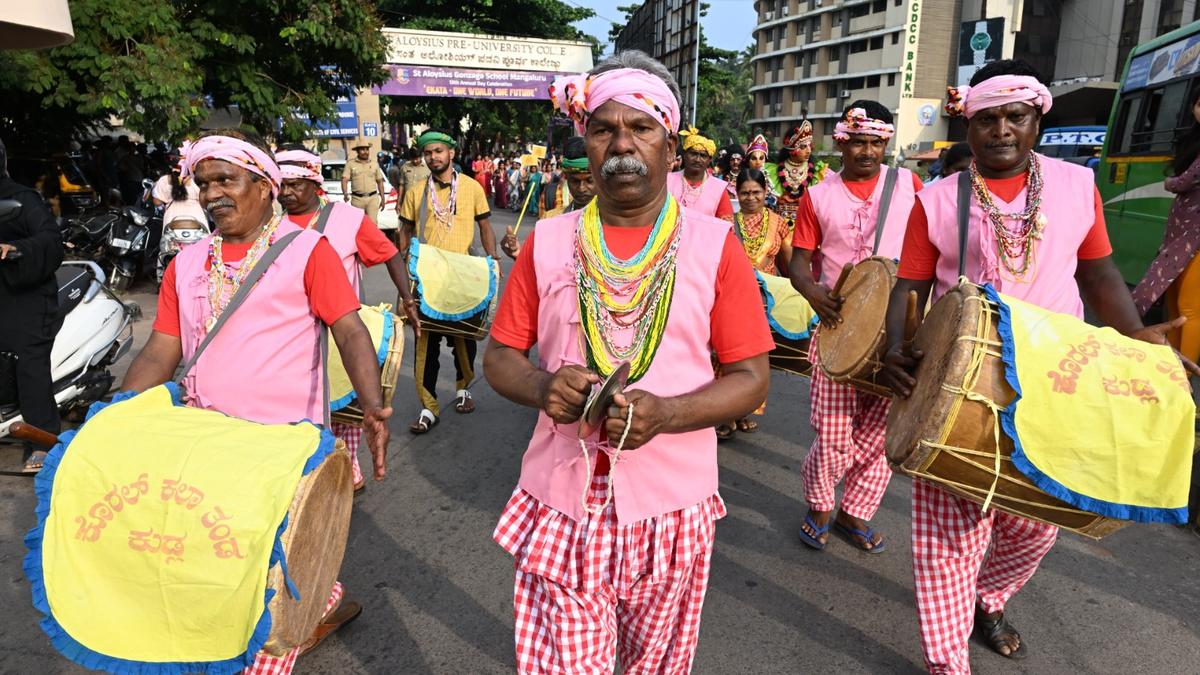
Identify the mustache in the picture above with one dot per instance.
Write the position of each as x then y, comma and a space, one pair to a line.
623, 164
224, 201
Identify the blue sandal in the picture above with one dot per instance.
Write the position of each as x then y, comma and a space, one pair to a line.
849, 533
812, 541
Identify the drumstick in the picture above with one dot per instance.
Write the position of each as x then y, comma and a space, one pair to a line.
911, 321
528, 194
841, 281
28, 432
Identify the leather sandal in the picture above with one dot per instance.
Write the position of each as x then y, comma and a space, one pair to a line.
345, 613
993, 631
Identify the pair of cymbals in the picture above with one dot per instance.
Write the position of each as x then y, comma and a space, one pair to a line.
600, 399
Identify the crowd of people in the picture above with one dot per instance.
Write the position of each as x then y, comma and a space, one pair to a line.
644, 266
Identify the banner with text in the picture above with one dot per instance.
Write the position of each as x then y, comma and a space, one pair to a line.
466, 83
496, 52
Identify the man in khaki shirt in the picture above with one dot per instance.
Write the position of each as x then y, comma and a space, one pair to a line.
413, 173
451, 215
365, 180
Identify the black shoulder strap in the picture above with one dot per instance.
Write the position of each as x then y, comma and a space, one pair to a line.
964, 216
323, 219
885, 202
238, 298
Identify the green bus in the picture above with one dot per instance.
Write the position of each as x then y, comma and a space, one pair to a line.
1151, 111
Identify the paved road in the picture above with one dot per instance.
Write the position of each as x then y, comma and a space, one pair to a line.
437, 591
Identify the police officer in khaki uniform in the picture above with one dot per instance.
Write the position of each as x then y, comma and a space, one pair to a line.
365, 180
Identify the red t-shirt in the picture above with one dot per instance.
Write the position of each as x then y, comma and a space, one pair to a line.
374, 247
738, 323
918, 257
808, 229
329, 300
724, 207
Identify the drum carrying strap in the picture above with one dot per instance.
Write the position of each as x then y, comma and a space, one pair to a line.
885, 201
238, 298
322, 223
964, 216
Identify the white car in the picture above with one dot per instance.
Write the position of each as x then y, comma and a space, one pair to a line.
331, 173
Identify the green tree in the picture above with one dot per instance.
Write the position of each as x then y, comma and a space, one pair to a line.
487, 120
726, 103
157, 65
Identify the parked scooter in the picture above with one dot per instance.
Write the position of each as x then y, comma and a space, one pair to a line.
177, 234
96, 332
127, 245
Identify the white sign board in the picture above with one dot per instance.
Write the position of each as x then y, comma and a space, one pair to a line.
489, 52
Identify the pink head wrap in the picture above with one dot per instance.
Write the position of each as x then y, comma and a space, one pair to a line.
578, 96
998, 91
299, 164
857, 123
233, 150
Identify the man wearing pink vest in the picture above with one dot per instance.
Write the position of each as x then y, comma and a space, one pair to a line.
612, 535
695, 187
356, 239
839, 221
967, 563
265, 364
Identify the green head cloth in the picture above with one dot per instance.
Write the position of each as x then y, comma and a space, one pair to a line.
435, 137
578, 165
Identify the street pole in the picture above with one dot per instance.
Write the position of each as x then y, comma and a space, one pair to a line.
696, 63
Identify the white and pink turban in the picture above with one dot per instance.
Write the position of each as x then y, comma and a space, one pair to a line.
998, 91
299, 164
857, 122
578, 96
233, 150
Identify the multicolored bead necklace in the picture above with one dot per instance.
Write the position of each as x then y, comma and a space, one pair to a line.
617, 295
1014, 245
223, 283
443, 213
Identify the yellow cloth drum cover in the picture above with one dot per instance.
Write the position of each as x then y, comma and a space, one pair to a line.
452, 286
381, 325
157, 526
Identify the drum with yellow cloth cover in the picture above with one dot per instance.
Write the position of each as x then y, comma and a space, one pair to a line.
456, 293
387, 337
173, 539
1043, 416
791, 319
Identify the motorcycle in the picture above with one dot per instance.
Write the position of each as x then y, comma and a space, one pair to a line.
127, 245
96, 332
85, 235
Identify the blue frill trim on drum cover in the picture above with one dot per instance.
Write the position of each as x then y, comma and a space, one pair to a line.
1139, 514
775, 326
73, 649
414, 255
389, 325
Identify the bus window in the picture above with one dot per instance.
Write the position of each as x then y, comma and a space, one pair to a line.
1127, 114
1156, 129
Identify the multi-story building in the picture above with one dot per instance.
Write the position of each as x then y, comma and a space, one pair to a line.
668, 30
815, 57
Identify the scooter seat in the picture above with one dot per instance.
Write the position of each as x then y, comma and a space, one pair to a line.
73, 282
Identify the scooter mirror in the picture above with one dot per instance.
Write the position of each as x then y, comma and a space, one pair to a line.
9, 208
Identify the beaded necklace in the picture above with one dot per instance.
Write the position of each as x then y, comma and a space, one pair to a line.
1014, 245
795, 179
443, 213
224, 283
616, 295
753, 234
691, 193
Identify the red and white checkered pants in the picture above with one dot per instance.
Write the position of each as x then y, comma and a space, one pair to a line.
265, 664
849, 445
586, 592
352, 435
954, 568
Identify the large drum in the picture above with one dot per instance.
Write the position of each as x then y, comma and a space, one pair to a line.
387, 336
456, 293
155, 517
852, 352
946, 431
791, 319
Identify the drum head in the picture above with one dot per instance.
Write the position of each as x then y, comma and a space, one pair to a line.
600, 399
923, 414
314, 543
844, 348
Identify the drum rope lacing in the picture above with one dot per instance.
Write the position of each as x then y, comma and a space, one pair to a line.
966, 392
608, 490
